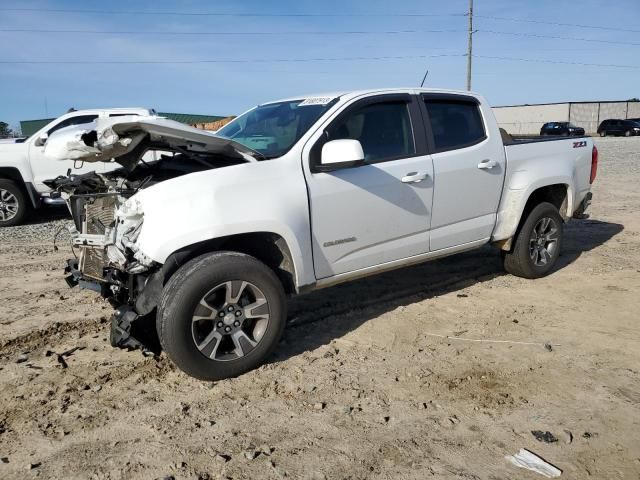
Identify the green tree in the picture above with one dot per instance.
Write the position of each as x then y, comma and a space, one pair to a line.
5, 131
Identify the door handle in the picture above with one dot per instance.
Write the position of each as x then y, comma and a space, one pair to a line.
487, 164
414, 177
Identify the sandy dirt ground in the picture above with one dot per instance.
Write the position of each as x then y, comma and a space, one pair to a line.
374, 379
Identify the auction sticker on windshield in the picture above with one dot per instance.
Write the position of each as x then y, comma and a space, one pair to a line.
315, 101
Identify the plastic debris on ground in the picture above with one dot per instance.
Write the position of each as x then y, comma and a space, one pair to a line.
530, 461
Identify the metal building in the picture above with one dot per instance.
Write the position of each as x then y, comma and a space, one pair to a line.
528, 119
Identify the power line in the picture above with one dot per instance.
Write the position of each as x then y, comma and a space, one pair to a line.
222, 14
213, 61
138, 32
301, 60
285, 33
559, 24
558, 62
557, 37
237, 14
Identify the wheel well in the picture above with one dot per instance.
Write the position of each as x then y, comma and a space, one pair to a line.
554, 194
13, 174
10, 173
269, 248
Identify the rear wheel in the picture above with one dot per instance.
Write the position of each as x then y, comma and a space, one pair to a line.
537, 244
14, 206
221, 315
603, 133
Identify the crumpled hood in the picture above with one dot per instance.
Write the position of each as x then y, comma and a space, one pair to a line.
117, 138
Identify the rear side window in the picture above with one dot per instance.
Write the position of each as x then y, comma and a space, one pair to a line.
383, 129
79, 120
455, 124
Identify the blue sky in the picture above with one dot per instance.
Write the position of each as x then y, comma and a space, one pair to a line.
35, 91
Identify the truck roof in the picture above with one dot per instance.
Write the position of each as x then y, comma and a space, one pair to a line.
357, 93
138, 110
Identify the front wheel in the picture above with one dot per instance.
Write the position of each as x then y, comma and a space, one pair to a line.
14, 206
220, 315
627, 133
537, 243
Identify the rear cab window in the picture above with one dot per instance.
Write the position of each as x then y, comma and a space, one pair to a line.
455, 123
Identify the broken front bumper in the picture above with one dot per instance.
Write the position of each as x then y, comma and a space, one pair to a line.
129, 329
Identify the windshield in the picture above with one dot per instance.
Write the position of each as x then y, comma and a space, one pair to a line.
573, 126
274, 128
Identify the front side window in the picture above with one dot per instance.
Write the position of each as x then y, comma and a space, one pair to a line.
274, 128
455, 124
383, 130
79, 120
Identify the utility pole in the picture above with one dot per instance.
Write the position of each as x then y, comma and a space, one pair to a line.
470, 46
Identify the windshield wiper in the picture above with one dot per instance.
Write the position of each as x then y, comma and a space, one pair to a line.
256, 154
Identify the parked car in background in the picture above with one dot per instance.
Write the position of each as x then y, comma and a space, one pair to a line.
618, 127
565, 129
297, 195
23, 167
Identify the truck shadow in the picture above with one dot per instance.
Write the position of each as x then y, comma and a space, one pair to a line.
319, 317
47, 214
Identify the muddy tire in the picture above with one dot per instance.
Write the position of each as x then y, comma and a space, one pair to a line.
537, 244
14, 204
220, 315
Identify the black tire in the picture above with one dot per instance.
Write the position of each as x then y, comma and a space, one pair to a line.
627, 133
182, 297
522, 261
11, 190
603, 133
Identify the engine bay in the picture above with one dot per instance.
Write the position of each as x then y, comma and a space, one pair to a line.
107, 223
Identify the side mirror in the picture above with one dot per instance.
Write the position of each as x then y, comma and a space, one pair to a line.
341, 154
42, 139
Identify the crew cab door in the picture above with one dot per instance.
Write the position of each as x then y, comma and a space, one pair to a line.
468, 167
380, 211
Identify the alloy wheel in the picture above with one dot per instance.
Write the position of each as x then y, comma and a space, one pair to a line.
543, 242
230, 320
8, 205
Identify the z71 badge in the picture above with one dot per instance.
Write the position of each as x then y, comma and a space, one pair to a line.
582, 143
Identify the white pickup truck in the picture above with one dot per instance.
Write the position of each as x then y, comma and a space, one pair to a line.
23, 167
297, 195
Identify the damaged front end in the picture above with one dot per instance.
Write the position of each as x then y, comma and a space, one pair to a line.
107, 208
107, 224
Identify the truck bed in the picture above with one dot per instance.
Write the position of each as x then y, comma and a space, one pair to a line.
508, 139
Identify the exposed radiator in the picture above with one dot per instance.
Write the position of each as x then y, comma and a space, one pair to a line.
99, 214
92, 262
